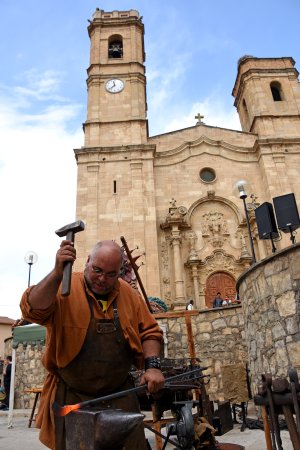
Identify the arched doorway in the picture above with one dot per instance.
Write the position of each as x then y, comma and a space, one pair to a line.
219, 282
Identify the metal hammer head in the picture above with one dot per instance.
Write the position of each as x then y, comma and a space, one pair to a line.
70, 228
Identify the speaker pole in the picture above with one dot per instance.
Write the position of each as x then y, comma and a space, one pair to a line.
273, 245
292, 238
243, 197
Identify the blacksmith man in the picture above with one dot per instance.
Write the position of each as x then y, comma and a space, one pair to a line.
94, 335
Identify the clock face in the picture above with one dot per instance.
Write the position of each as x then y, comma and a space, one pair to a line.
114, 85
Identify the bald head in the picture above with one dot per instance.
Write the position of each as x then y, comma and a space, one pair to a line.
109, 247
103, 266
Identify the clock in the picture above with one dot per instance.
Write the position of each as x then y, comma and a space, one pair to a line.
114, 85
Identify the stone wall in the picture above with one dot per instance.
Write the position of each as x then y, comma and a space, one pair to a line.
271, 304
218, 338
29, 373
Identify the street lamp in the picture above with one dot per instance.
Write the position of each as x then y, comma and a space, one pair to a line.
240, 186
30, 258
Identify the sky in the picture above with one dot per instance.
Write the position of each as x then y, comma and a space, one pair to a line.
192, 50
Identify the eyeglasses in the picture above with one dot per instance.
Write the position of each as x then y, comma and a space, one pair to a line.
100, 273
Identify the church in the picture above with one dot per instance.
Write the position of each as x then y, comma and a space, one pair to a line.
187, 202
186, 199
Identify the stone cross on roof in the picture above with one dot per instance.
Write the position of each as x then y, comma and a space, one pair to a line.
199, 118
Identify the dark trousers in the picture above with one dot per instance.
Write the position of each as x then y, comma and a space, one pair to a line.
7, 392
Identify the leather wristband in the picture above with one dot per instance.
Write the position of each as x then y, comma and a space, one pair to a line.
153, 362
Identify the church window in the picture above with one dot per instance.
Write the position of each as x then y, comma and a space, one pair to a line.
276, 91
207, 175
245, 109
115, 47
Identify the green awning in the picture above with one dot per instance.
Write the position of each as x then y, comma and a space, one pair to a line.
29, 334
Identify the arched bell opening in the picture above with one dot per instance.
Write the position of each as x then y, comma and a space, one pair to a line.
115, 47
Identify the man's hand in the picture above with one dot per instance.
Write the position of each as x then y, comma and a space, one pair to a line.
154, 379
64, 254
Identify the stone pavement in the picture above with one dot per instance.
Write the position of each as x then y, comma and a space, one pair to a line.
20, 437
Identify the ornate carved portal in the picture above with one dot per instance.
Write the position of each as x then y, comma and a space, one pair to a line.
203, 251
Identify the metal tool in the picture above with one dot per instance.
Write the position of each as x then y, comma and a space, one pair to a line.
282, 386
267, 380
64, 410
135, 269
69, 231
280, 397
294, 384
184, 427
166, 438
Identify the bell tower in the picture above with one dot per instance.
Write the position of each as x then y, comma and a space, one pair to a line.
267, 96
116, 112
115, 181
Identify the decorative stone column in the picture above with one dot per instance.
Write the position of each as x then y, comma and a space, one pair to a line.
176, 245
175, 223
193, 264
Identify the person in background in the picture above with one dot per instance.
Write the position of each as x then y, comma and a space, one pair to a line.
190, 305
94, 337
237, 298
225, 301
7, 380
2, 396
218, 301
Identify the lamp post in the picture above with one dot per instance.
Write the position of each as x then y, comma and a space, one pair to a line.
30, 258
242, 194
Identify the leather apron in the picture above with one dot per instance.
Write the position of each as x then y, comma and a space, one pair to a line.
100, 368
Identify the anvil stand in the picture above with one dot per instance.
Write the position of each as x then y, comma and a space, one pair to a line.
243, 407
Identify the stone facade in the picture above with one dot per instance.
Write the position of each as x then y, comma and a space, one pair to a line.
271, 304
153, 190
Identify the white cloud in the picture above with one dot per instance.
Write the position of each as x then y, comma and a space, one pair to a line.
40, 86
167, 114
215, 114
38, 189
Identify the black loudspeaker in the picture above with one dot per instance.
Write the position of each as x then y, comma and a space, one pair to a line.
266, 224
286, 213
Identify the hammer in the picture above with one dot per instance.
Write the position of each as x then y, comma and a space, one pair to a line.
68, 231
